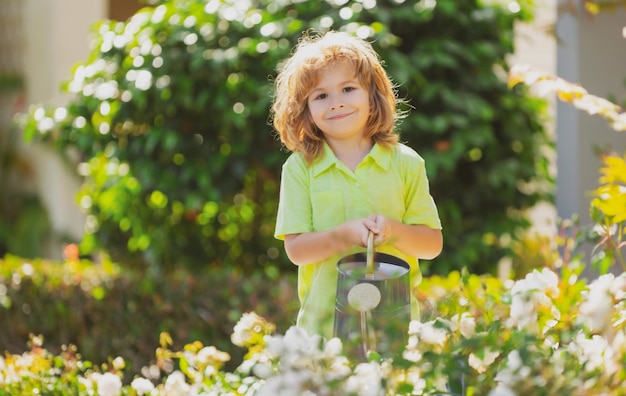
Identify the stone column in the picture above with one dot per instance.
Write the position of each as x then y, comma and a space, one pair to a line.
592, 53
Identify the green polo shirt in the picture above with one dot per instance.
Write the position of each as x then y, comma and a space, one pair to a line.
391, 182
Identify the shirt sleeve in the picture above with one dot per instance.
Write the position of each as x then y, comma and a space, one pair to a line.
420, 205
294, 205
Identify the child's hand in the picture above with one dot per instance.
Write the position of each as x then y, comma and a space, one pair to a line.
357, 231
381, 229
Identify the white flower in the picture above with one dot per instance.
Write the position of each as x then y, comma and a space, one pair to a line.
545, 282
3, 368
339, 369
412, 352
211, 354
502, 390
333, 347
87, 383
249, 328
175, 385
597, 306
414, 377
305, 363
618, 287
190, 358
366, 380
482, 364
514, 371
108, 384
619, 344
619, 123
428, 333
523, 313
531, 294
295, 348
595, 353
441, 383
118, 363
142, 386
262, 370
465, 323
24, 361
286, 384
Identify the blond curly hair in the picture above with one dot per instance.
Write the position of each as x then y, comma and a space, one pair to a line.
300, 73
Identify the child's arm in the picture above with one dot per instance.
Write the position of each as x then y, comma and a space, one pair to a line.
415, 240
311, 247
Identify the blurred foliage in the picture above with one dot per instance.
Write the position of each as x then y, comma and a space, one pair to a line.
24, 222
608, 212
170, 121
10, 82
105, 309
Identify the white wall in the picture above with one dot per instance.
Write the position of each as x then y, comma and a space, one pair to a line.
536, 45
592, 52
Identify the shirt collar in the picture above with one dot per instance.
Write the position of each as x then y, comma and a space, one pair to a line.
380, 155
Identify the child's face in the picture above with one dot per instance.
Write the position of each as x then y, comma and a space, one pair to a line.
339, 105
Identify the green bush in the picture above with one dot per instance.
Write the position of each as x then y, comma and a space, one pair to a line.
181, 167
105, 310
24, 221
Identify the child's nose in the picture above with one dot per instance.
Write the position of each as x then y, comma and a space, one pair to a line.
336, 104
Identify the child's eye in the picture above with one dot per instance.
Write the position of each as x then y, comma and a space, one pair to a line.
349, 89
320, 96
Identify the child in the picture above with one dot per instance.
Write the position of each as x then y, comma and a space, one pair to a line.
335, 109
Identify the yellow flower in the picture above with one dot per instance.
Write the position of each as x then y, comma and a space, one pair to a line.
614, 170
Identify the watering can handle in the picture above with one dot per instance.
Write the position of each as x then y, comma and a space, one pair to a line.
369, 266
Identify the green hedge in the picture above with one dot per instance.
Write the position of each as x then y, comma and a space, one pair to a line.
107, 311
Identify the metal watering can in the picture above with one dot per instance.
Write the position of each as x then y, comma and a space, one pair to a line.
373, 303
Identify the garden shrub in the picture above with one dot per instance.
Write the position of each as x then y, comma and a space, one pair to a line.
105, 310
170, 124
24, 221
